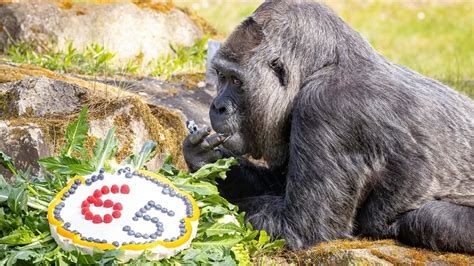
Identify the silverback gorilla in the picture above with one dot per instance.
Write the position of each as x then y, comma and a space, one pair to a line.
354, 144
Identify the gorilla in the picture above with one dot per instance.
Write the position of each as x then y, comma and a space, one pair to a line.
353, 145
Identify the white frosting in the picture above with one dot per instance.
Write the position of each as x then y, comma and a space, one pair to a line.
141, 192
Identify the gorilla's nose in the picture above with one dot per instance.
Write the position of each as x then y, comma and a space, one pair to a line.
220, 112
219, 108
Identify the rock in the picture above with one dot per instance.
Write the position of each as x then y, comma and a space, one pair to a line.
193, 104
13, 72
362, 252
36, 126
188, 94
32, 96
24, 143
126, 29
212, 48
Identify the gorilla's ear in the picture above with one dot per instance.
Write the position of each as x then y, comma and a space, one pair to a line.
280, 71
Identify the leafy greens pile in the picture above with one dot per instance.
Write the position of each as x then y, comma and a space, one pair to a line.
223, 237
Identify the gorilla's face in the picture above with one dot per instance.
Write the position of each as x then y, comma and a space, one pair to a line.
253, 102
262, 67
228, 107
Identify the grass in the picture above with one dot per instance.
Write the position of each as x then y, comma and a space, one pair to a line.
93, 60
434, 38
96, 59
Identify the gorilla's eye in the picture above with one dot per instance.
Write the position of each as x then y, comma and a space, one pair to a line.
280, 71
220, 75
236, 81
274, 63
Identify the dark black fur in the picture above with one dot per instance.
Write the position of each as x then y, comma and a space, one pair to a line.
355, 145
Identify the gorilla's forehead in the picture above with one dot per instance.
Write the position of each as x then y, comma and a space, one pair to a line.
242, 42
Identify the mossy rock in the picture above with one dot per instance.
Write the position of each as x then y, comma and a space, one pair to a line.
32, 134
365, 252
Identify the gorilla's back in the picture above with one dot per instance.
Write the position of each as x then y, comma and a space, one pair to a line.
441, 121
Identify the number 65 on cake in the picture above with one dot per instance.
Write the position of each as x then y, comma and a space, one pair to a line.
130, 211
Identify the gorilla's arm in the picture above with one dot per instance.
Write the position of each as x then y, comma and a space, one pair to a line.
199, 149
324, 180
257, 180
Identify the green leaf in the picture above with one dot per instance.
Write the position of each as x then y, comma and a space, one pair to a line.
215, 170
18, 198
168, 169
76, 134
3, 182
252, 234
104, 149
25, 256
4, 189
217, 241
263, 238
147, 153
4, 192
66, 166
7, 162
222, 229
241, 255
109, 256
219, 210
19, 236
201, 188
276, 245
51, 163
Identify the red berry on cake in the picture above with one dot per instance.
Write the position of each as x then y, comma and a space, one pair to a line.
118, 206
97, 219
98, 202
108, 203
97, 193
85, 210
89, 215
124, 189
85, 204
116, 214
114, 189
108, 218
90, 199
105, 190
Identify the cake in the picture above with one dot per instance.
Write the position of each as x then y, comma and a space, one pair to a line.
130, 211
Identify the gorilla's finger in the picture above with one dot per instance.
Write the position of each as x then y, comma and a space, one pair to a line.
199, 135
211, 142
215, 155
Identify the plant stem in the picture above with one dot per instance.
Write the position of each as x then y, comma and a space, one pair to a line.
32, 190
37, 243
37, 204
42, 189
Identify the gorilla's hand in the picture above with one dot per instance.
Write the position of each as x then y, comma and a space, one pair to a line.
199, 148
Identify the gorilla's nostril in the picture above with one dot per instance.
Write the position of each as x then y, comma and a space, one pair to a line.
221, 110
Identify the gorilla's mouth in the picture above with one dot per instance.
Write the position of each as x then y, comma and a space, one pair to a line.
229, 129
227, 137
234, 143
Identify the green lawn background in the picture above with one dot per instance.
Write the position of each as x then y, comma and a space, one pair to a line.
434, 37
